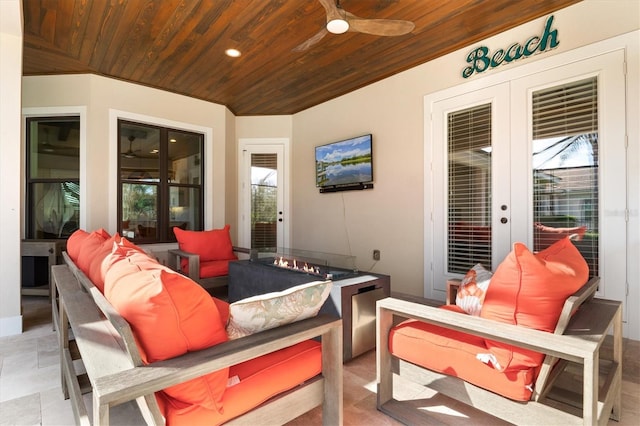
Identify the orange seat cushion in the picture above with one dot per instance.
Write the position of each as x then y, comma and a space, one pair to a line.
530, 289
212, 268
260, 379
454, 353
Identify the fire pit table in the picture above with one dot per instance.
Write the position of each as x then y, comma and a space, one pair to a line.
353, 295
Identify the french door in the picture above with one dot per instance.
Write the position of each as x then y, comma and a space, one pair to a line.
262, 183
530, 159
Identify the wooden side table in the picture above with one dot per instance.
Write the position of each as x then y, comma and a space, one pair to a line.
51, 249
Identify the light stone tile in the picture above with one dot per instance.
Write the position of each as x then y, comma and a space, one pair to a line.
48, 352
21, 411
55, 409
28, 382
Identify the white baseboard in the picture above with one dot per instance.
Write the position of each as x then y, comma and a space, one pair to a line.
10, 326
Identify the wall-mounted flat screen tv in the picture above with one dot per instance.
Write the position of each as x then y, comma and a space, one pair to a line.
346, 164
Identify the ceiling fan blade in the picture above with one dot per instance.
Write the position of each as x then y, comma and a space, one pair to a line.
381, 27
310, 42
331, 7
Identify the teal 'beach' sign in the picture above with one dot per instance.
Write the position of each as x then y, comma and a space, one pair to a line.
480, 59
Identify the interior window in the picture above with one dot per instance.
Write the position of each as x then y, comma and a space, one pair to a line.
53, 170
160, 181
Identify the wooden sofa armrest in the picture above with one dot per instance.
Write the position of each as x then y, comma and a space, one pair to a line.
144, 380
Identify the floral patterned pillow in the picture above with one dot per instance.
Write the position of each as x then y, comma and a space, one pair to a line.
472, 289
265, 311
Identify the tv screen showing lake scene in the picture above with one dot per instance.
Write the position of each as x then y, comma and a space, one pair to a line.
345, 162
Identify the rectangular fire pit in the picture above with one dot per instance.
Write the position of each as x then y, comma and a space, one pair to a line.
352, 297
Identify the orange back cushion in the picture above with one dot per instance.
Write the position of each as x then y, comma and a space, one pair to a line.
88, 249
74, 243
95, 273
169, 315
214, 244
529, 290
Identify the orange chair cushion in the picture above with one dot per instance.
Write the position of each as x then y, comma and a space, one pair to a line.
454, 353
169, 315
529, 290
212, 268
214, 244
260, 379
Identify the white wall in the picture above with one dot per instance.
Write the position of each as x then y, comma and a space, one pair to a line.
390, 217
10, 210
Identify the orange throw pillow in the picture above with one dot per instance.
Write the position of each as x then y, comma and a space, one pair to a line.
214, 244
529, 290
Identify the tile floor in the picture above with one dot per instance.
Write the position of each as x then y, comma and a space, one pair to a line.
30, 391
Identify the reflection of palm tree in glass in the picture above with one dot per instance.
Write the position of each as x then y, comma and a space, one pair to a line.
140, 201
579, 151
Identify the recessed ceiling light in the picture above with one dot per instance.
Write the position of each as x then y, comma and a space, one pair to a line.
234, 53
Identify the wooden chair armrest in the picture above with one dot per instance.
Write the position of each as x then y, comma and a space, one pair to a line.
453, 284
144, 380
175, 256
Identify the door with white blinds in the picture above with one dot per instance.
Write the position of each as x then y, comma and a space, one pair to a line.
471, 201
262, 193
577, 179
532, 160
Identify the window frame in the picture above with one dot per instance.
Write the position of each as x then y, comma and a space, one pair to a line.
30, 181
163, 184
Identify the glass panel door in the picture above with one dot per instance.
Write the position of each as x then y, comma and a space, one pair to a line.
565, 167
471, 197
264, 200
262, 195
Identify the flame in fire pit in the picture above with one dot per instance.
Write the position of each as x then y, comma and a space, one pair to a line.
282, 262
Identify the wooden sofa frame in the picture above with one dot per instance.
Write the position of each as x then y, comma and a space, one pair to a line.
209, 284
90, 327
577, 339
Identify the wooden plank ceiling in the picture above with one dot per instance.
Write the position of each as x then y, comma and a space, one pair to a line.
179, 45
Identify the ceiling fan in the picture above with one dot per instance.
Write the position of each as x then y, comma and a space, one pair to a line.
340, 21
131, 153
46, 147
